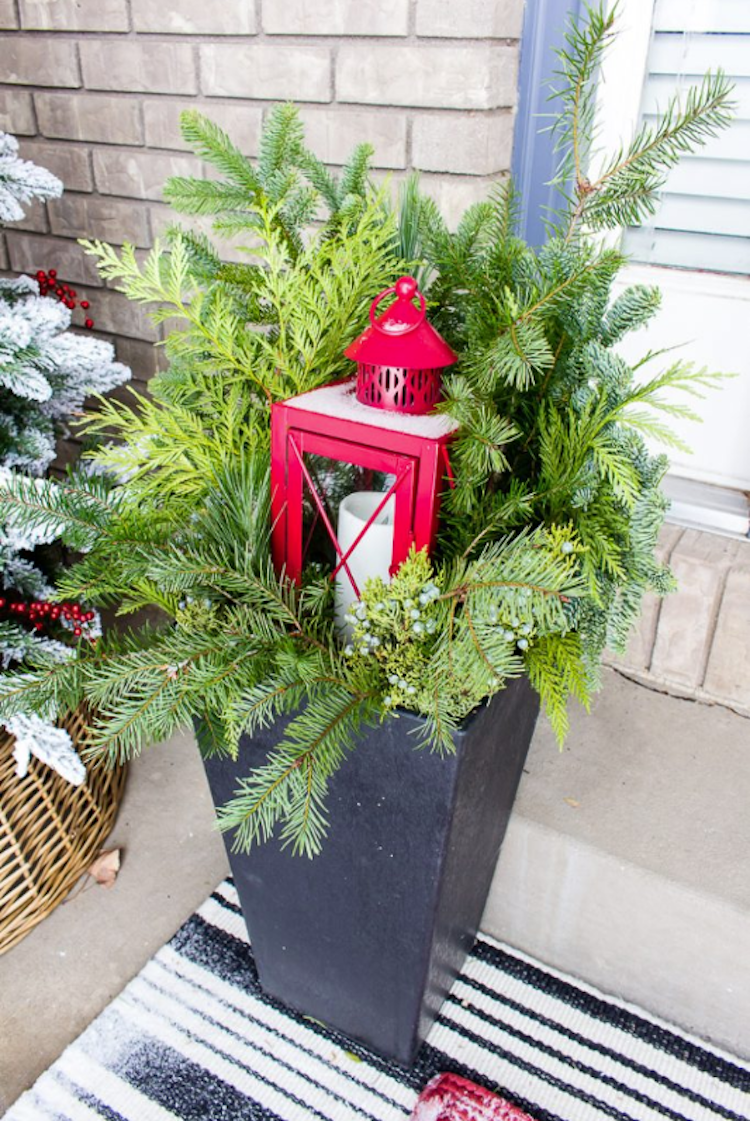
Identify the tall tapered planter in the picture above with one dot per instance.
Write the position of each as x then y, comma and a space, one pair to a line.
368, 936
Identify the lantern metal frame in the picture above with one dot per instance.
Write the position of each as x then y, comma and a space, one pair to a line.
329, 422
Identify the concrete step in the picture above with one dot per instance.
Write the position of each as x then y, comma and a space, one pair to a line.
627, 859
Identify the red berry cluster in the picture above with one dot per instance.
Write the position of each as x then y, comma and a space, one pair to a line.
39, 615
50, 286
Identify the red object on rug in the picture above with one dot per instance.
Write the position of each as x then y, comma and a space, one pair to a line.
448, 1097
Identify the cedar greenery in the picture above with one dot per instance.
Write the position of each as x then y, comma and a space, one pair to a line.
547, 542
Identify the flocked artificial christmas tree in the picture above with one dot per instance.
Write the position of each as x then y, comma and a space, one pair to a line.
46, 373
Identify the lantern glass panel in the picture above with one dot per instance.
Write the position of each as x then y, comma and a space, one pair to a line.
334, 480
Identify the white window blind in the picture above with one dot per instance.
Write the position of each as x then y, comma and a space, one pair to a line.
703, 221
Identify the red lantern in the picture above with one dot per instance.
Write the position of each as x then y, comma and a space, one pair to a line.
376, 430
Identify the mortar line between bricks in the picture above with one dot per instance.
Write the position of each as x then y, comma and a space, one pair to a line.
461, 176
149, 224
269, 38
142, 121
33, 87
407, 40
198, 76
34, 113
124, 95
65, 142
382, 109
54, 34
437, 112
463, 109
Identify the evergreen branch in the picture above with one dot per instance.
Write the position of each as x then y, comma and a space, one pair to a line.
212, 144
165, 279
203, 260
608, 261
585, 50
321, 179
211, 736
290, 788
616, 470
656, 429
625, 191
354, 174
580, 59
205, 196
556, 670
281, 146
439, 723
144, 697
43, 690
681, 376
627, 186
524, 353
49, 509
632, 309
18, 644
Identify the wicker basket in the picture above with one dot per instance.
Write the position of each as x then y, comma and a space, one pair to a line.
50, 832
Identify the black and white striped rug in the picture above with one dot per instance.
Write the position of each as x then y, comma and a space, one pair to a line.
191, 1037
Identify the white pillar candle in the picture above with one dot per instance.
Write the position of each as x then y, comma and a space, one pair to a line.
372, 556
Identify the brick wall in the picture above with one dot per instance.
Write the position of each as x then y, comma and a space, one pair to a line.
94, 88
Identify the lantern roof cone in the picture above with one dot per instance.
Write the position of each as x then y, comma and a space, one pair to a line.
401, 336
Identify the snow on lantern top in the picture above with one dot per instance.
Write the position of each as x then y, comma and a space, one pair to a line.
400, 356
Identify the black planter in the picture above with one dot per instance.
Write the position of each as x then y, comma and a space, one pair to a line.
368, 936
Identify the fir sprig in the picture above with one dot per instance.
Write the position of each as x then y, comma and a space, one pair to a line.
289, 790
624, 188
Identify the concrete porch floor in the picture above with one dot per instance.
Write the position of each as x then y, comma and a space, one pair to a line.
627, 864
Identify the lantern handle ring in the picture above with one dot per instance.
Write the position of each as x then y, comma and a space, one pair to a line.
399, 328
